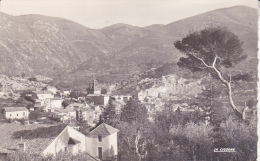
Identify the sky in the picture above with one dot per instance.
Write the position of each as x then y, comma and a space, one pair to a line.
101, 13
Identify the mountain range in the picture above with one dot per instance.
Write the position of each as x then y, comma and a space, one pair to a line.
57, 47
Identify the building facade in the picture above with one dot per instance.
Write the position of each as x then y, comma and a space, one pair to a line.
15, 113
103, 141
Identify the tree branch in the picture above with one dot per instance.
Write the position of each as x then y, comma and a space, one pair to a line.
201, 60
228, 84
214, 62
224, 81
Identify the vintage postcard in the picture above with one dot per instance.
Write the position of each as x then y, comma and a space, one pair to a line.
128, 80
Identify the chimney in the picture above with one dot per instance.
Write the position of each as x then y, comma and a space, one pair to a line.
21, 146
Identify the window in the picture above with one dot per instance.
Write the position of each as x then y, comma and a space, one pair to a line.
100, 138
100, 152
17, 114
10, 115
24, 113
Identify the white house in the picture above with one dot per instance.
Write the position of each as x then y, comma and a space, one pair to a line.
103, 141
40, 139
65, 93
42, 95
15, 112
88, 115
69, 113
53, 103
43, 78
69, 140
52, 89
122, 98
76, 106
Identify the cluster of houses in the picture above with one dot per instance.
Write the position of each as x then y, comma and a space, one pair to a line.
99, 143
51, 101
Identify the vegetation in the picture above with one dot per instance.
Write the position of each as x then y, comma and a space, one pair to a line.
109, 112
65, 103
213, 49
175, 135
28, 95
32, 79
76, 94
37, 114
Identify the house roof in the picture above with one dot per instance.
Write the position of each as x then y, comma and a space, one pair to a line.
14, 109
56, 99
4, 151
103, 129
51, 87
61, 110
37, 137
94, 95
76, 106
43, 92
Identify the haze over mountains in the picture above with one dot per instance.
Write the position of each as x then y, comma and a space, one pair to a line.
34, 44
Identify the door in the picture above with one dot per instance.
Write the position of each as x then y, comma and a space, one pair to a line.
99, 152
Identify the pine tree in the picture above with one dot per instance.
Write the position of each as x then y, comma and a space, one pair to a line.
109, 112
214, 50
127, 114
134, 111
79, 116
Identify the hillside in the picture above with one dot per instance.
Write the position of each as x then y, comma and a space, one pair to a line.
158, 45
67, 51
39, 44
9, 85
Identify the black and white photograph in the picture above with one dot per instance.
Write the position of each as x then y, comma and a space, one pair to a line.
128, 80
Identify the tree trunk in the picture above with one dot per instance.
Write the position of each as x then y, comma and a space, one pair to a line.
228, 85
237, 112
225, 82
136, 146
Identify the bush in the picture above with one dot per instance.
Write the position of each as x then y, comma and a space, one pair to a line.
32, 79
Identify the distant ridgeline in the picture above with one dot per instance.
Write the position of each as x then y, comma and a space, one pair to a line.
65, 50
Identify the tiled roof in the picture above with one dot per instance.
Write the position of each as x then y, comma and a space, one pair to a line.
37, 137
43, 92
87, 109
4, 151
103, 129
13, 109
61, 110
76, 106
103, 95
56, 99
51, 87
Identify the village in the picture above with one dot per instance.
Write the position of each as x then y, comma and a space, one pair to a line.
61, 115
71, 121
